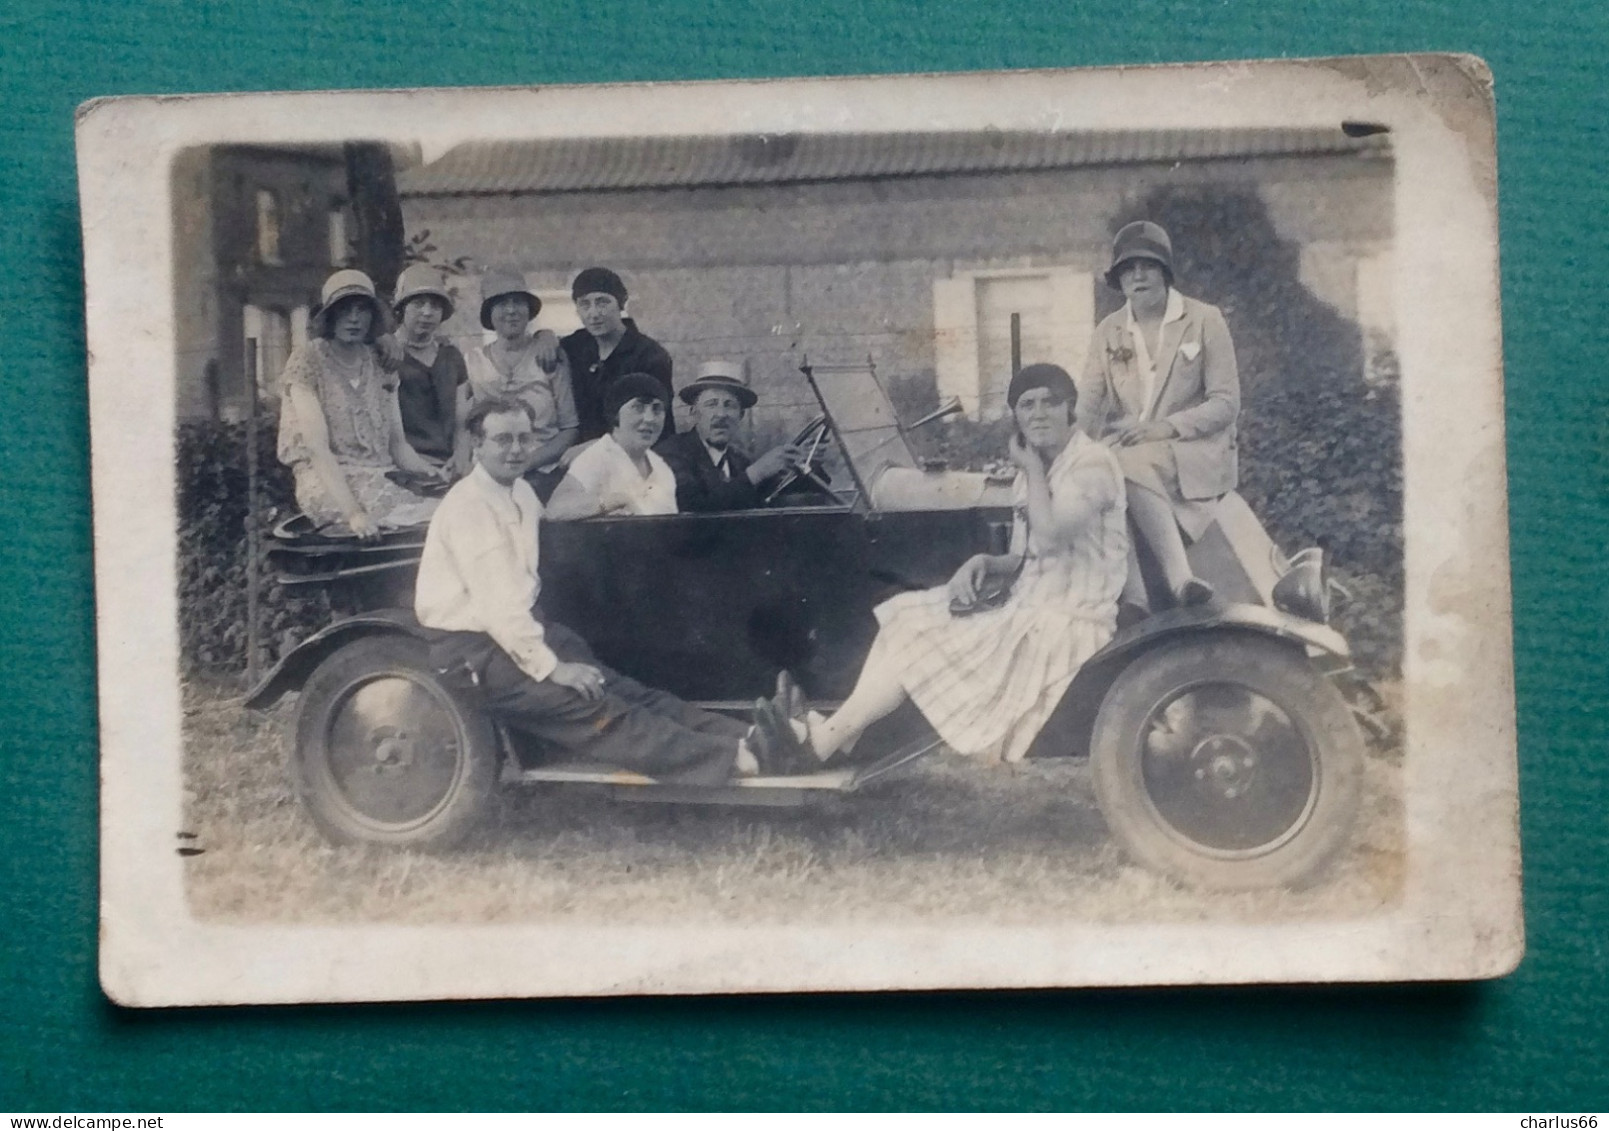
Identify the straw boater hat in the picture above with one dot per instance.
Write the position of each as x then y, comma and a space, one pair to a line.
727, 375
500, 281
422, 279
344, 285
1140, 240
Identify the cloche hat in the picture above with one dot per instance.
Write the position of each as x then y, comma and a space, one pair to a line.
422, 279
1042, 375
500, 281
345, 284
629, 387
599, 281
1140, 240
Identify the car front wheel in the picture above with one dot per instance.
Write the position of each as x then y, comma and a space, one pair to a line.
386, 753
1227, 762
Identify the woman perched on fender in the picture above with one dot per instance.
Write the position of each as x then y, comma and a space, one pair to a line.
1162, 389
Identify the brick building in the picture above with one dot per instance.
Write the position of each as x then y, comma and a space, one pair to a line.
939, 256
257, 230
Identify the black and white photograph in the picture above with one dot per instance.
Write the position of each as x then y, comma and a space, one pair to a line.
976, 531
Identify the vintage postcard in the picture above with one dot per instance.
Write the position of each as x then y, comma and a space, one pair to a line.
982, 530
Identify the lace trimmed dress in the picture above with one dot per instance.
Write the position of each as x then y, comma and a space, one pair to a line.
360, 416
988, 682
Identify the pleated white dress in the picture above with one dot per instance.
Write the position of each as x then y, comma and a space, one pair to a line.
988, 682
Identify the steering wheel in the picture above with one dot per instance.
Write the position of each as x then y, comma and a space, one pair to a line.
811, 438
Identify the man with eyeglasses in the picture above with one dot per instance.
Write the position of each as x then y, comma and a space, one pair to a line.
477, 588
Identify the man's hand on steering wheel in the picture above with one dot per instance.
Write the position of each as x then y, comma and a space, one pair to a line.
783, 457
809, 442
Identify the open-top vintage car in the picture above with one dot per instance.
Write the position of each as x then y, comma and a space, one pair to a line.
1225, 739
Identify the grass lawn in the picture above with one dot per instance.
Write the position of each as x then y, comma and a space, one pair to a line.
942, 837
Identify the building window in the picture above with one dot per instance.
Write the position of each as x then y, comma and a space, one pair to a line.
269, 338
340, 245
267, 227
989, 323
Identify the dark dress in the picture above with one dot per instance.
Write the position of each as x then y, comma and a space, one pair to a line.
428, 398
636, 352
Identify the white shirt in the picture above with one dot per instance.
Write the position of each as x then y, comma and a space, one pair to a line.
478, 572
606, 471
1143, 363
718, 458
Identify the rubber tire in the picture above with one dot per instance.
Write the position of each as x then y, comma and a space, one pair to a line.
1281, 673
347, 668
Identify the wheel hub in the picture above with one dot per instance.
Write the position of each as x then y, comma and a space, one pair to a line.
393, 749
1226, 764
1227, 770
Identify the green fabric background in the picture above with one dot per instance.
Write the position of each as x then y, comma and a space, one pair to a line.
1534, 1041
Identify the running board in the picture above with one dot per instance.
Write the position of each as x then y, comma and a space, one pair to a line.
788, 789
580, 773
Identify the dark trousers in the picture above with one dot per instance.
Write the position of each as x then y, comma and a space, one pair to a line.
633, 726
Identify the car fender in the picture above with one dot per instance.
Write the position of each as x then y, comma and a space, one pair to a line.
1071, 724
296, 665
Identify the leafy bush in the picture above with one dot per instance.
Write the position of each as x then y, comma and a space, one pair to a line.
213, 563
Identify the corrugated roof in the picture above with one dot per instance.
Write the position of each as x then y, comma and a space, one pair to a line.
580, 164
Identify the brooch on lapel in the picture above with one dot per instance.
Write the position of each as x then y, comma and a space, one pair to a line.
1190, 349
1119, 354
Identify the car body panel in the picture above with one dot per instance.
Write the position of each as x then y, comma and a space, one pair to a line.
710, 607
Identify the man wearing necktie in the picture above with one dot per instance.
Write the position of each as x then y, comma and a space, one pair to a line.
712, 474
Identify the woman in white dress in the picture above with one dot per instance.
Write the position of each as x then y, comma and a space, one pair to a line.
988, 671
619, 472
340, 426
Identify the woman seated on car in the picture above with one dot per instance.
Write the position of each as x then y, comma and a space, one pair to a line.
526, 366
340, 427
987, 658
433, 383
1161, 387
620, 473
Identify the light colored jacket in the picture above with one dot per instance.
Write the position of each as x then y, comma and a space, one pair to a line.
1197, 391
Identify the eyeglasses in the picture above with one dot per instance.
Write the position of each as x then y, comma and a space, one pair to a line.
510, 439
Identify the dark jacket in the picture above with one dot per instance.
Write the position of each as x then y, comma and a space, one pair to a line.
699, 485
636, 352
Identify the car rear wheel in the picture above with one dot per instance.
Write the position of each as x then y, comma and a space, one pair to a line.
386, 753
1227, 762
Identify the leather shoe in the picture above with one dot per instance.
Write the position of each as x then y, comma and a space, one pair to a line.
789, 754
789, 700
1194, 592
762, 743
